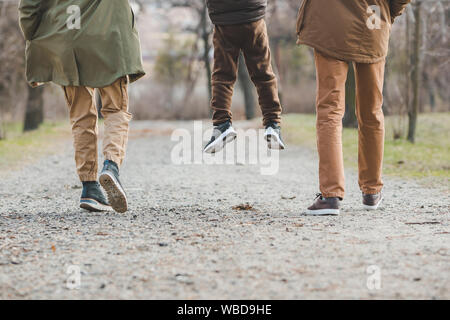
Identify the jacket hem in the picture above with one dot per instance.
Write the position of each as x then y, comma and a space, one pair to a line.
344, 57
133, 76
220, 23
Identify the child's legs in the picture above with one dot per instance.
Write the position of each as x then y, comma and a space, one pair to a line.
331, 77
83, 117
369, 102
259, 64
226, 57
117, 118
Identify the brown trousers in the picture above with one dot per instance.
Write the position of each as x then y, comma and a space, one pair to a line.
331, 77
84, 118
253, 40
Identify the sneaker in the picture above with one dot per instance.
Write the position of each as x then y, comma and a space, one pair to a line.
324, 206
222, 134
273, 136
92, 198
109, 179
372, 201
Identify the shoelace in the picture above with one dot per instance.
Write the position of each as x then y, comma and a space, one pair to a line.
318, 195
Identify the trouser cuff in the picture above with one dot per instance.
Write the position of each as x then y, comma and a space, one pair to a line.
333, 195
371, 191
117, 160
267, 121
88, 177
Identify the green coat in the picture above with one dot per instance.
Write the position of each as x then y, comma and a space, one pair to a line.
104, 48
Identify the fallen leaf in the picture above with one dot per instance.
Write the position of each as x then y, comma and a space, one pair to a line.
243, 207
53, 248
288, 198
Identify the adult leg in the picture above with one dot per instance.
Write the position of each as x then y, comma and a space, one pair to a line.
115, 111
369, 102
331, 77
259, 64
83, 117
226, 57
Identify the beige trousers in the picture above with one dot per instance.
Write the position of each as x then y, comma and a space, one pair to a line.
84, 119
331, 77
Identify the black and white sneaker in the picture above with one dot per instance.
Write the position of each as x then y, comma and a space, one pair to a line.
222, 134
92, 197
109, 179
273, 136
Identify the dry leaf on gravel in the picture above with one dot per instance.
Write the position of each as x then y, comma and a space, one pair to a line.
244, 207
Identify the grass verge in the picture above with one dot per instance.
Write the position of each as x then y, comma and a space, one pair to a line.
19, 147
428, 158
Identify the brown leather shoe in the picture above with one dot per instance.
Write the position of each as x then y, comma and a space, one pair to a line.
324, 206
372, 201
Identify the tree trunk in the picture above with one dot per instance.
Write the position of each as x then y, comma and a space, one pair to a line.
247, 88
2, 131
413, 111
430, 89
350, 120
34, 114
408, 63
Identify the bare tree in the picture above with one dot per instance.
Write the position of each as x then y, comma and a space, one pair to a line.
34, 114
12, 64
247, 88
350, 120
414, 109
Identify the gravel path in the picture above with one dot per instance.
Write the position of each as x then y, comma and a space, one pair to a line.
182, 239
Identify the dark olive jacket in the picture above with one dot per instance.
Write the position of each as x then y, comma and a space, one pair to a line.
80, 42
228, 12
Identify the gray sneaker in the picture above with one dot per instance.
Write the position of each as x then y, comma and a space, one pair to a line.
109, 179
372, 201
324, 206
93, 198
222, 134
273, 136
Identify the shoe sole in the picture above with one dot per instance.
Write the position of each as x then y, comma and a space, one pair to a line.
375, 207
323, 212
116, 195
93, 205
273, 140
218, 144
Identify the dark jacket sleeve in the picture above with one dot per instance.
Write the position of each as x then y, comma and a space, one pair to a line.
397, 7
29, 17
